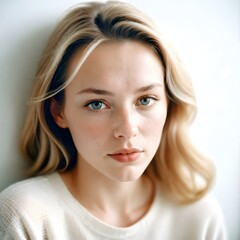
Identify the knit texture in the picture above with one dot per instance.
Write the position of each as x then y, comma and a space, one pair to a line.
43, 208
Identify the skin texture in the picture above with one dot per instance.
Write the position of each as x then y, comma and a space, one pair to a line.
116, 104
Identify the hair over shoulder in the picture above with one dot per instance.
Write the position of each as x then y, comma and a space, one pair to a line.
177, 165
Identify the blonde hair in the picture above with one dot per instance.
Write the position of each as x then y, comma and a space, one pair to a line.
177, 165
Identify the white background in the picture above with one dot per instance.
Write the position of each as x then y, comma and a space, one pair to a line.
207, 36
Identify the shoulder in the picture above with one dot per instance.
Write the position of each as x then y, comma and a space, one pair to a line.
27, 206
204, 208
205, 217
27, 197
31, 188
202, 219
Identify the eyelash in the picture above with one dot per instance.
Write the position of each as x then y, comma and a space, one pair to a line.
89, 104
149, 97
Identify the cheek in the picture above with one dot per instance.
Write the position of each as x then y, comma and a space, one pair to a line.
95, 131
87, 131
154, 125
157, 118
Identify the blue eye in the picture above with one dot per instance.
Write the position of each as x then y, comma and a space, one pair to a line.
145, 101
96, 105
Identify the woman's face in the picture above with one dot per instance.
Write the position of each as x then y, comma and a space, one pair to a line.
115, 109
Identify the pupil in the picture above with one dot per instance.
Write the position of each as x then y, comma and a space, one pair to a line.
145, 101
97, 105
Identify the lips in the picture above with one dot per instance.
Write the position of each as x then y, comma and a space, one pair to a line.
126, 155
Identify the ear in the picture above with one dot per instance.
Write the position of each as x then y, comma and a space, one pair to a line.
57, 113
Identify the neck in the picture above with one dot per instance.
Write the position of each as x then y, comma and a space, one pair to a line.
116, 203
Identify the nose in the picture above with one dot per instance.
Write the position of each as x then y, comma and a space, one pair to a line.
125, 126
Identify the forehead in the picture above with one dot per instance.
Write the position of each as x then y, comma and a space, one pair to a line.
118, 60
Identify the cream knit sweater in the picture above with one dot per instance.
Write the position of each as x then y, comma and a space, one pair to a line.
43, 208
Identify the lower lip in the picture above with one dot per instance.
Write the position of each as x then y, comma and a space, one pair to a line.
125, 158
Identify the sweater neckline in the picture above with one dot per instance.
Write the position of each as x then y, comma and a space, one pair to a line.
96, 225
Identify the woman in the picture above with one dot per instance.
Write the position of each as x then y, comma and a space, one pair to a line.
106, 130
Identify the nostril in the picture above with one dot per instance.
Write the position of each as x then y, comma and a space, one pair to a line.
125, 123
125, 132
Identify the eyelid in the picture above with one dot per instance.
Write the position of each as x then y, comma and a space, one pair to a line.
86, 105
152, 97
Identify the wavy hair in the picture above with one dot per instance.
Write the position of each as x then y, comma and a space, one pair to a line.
177, 164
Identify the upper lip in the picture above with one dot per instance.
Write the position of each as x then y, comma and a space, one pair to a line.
126, 151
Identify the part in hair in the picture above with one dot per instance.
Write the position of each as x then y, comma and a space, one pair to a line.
177, 165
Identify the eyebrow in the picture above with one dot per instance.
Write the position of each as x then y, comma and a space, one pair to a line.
148, 87
95, 91
105, 92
